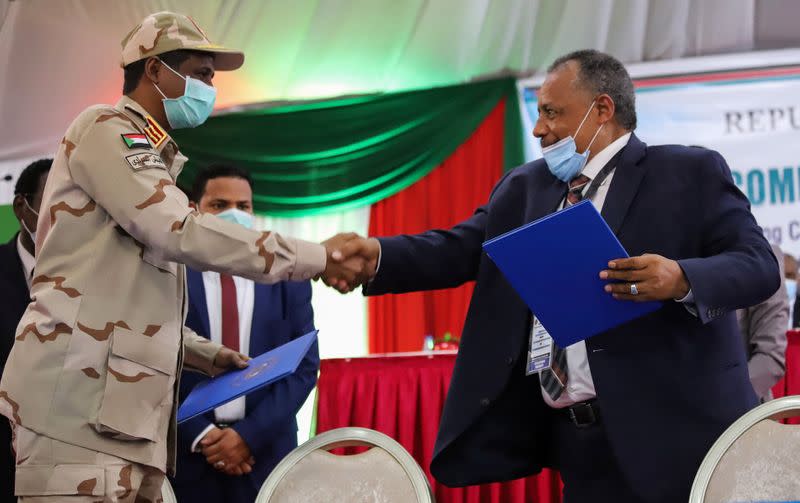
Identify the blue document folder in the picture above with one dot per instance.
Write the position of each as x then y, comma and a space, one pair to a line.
554, 265
263, 370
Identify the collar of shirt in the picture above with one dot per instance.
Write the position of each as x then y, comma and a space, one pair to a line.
601, 158
28, 260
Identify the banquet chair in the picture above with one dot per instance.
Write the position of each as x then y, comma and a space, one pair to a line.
756, 459
167, 494
385, 473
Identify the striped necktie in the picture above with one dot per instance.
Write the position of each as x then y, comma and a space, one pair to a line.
554, 379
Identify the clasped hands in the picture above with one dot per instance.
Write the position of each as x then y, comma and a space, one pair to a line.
352, 261
227, 452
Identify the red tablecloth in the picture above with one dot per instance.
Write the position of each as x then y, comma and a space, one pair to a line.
790, 384
403, 396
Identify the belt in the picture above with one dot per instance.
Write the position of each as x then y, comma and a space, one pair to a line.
583, 414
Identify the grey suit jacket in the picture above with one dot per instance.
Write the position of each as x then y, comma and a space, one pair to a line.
763, 328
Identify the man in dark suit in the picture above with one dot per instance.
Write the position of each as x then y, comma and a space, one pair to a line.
225, 455
16, 266
634, 409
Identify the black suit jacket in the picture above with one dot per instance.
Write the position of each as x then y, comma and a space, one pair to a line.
15, 299
668, 384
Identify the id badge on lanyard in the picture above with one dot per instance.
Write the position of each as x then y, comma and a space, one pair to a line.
540, 349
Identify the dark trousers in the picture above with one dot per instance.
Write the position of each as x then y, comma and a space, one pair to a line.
590, 472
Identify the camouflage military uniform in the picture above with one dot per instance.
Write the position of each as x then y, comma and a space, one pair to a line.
90, 382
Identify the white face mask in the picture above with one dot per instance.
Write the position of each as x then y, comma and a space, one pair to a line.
31, 233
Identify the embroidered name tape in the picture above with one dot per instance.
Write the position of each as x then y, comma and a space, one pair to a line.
145, 161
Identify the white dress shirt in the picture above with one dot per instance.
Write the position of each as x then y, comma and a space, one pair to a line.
580, 386
28, 261
234, 410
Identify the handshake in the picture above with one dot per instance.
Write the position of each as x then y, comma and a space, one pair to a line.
352, 261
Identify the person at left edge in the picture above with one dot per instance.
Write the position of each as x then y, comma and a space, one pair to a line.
252, 433
16, 269
90, 383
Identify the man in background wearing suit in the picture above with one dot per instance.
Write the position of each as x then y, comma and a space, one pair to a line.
225, 455
16, 266
763, 328
790, 273
628, 415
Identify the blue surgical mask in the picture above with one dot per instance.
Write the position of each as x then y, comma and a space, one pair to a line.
562, 157
791, 289
237, 216
191, 109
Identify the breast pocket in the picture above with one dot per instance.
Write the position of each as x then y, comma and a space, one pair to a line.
139, 383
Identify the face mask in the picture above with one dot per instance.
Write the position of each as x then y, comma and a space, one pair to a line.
191, 109
32, 234
563, 158
237, 216
791, 289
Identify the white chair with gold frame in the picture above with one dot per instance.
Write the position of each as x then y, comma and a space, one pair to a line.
756, 459
386, 473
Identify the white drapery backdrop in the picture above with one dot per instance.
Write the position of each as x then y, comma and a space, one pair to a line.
59, 56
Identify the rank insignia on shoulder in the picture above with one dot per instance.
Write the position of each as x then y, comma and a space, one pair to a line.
135, 140
154, 133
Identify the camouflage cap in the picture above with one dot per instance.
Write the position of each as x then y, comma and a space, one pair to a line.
166, 31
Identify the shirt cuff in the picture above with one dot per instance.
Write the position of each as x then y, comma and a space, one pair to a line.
380, 254
688, 303
200, 437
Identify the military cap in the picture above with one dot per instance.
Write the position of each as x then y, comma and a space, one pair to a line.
167, 31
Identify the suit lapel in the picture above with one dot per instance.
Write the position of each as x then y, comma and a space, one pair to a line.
262, 303
197, 296
627, 177
546, 200
14, 270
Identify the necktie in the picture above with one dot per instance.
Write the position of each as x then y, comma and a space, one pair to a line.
554, 379
230, 313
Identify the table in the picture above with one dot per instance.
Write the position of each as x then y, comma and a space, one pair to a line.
790, 384
402, 395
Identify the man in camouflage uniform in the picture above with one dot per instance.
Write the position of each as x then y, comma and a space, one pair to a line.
91, 380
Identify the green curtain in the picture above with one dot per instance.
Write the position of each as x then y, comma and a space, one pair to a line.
331, 155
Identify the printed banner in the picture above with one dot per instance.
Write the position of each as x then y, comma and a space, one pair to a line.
751, 117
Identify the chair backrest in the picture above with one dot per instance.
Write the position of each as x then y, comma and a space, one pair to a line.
385, 473
167, 494
756, 459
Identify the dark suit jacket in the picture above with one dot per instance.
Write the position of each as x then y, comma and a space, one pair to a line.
15, 296
668, 384
281, 312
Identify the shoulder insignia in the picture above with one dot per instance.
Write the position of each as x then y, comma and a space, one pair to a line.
135, 140
154, 132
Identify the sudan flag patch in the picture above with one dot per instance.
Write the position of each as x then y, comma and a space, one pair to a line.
135, 140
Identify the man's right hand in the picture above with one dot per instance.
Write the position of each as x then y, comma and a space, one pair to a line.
225, 450
352, 261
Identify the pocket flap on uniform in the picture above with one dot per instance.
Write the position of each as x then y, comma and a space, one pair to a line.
144, 351
60, 480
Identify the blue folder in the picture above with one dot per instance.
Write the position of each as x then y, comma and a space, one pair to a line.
262, 370
554, 265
